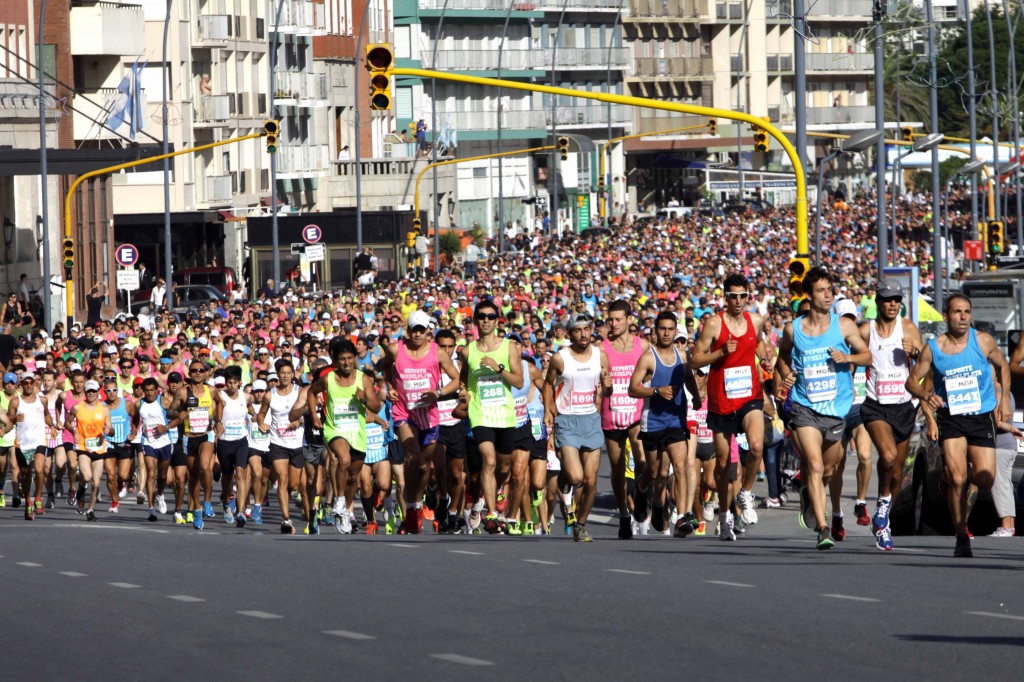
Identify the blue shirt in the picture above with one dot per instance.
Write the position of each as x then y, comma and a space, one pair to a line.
964, 380
821, 384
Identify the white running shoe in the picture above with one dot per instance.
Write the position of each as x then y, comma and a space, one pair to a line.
161, 506
746, 501
709, 511
123, 491
339, 507
725, 532
343, 523
1004, 533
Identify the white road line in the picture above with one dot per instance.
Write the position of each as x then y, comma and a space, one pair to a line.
599, 518
989, 614
465, 551
464, 660
541, 562
29, 564
400, 544
358, 636
851, 597
125, 586
93, 526
74, 574
623, 570
259, 614
185, 598
726, 583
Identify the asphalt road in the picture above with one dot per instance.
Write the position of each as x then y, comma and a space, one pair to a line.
125, 599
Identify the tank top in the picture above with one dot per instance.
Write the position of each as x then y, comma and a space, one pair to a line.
413, 378
7, 440
376, 436
659, 413
197, 412
121, 422
521, 396
535, 409
734, 380
699, 426
152, 415
282, 433
964, 380
90, 424
125, 385
446, 406
821, 385
233, 417
69, 404
257, 439
54, 441
890, 367
32, 429
576, 392
345, 416
620, 411
490, 396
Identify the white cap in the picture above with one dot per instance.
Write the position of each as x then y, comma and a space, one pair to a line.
263, 349
259, 385
846, 306
75, 367
272, 377
91, 385
219, 381
28, 375
418, 318
214, 332
238, 346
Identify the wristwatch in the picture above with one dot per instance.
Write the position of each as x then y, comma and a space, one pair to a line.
501, 369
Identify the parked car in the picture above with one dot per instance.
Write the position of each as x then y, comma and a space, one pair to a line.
222, 279
191, 297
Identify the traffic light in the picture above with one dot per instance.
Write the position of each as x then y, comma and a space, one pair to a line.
996, 242
600, 184
798, 268
271, 128
410, 236
907, 133
713, 126
563, 147
379, 59
69, 253
760, 140
416, 225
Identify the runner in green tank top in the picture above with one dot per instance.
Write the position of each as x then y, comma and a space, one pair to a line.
7, 442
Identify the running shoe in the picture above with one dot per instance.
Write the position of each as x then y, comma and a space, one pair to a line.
502, 504
30, 512
115, 506
474, 520
881, 518
239, 520
372, 528
430, 499
413, 523
161, 505
208, 510
1004, 533
771, 503
824, 541
806, 517
634, 527
49, 502
462, 527
59, 491
3, 499
72, 498
232, 506
339, 507
761, 477
389, 524
90, 516
746, 502
257, 515
963, 548
513, 529
197, 519
683, 527
584, 534
860, 510
140, 497
658, 519
838, 532
625, 527
287, 528
739, 526
39, 507
123, 491
315, 524
529, 528
701, 530
343, 523
229, 518
883, 540
641, 502
179, 519
725, 531
311, 529
708, 512
152, 515
16, 501
492, 523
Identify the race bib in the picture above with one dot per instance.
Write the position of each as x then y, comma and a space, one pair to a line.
963, 395
739, 382
198, 419
234, 428
492, 391
860, 387
741, 441
346, 415
581, 398
414, 390
445, 409
620, 400
374, 437
94, 444
520, 405
820, 383
890, 387
258, 436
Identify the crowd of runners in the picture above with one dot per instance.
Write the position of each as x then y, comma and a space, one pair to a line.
483, 404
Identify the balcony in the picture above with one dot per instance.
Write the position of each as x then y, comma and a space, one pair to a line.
682, 68
213, 109
588, 5
299, 88
96, 107
568, 58
511, 119
839, 115
383, 182
217, 189
667, 10
302, 160
303, 17
780, 63
487, 60
106, 28
589, 116
213, 30
840, 62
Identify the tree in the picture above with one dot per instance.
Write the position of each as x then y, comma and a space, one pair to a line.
922, 179
450, 245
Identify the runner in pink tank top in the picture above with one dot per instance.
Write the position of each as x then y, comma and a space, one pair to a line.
413, 378
621, 411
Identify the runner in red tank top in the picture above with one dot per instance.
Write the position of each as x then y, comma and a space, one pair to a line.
731, 344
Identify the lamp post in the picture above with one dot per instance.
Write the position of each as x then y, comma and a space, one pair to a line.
1011, 30
877, 14
357, 145
501, 146
45, 194
857, 142
994, 100
972, 119
554, 122
168, 261
925, 143
603, 202
933, 105
274, 235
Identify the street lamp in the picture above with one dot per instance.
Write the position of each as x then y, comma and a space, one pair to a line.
858, 142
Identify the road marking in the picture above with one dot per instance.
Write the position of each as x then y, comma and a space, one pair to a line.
358, 636
465, 551
599, 518
851, 597
623, 570
185, 598
989, 614
726, 583
911, 549
125, 586
259, 614
541, 562
464, 660
92, 526
29, 564
74, 574
400, 544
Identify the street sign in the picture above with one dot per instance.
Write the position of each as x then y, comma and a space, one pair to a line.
128, 280
297, 248
995, 303
315, 253
973, 250
312, 234
583, 202
126, 256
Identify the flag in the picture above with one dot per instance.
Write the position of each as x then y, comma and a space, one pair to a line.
136, 98
118, 104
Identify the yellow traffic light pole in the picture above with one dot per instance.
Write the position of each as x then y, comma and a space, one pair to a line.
68, 283
757, 122
606, 147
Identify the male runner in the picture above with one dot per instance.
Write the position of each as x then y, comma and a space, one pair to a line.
119, 447
285, 438
966, 407
152, 420
90, 420
8, 457
232, 444
29, 413
259, 454
198, 406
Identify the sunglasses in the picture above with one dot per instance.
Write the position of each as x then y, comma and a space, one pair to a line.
735, 295
487, 316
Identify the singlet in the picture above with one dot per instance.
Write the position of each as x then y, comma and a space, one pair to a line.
734, 379
90, 424
281, 432
121, 422
7, 440
699, 425
257, 439
376, 436
51, 407
152, 415
126, 386
890, 367
964, 380
345, 416
535, 410
659, 413
32, 429
576, 392
821, 385
490, 396
413, 378
233, 417
620, 411
69, 404
521, 396
197, 412
446, 406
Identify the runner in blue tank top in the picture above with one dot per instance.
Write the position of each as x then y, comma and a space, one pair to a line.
817, 355
963, 407
122, 416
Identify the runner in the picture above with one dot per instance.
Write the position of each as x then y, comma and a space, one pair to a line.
232, 445
816, 354
119, 447
56, 460
90, 420
966, 408
29, 413
152, 420
452, 437
285, 438
8, 457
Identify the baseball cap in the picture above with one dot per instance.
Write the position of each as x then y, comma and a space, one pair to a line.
75, 367
10, 378
174, 376
259, 385
219, 381
90, 385
418, 318
28, 375
846, 306
272, 377
579, 320
888, 288
237, 347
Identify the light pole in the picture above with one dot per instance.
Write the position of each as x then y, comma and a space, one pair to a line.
933, 93
877, 14
45, 194
168, 261
925, 143
554, 122
275, 237
858, 142
972, 119
603, 202
357, 146
501, 147
435, 136
994, 100
1011, 29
